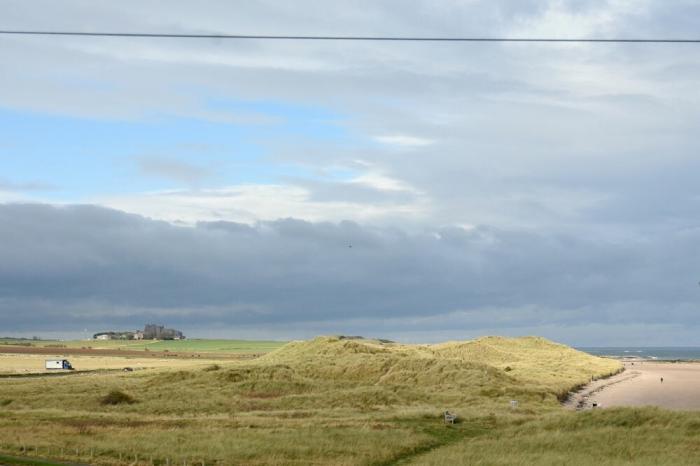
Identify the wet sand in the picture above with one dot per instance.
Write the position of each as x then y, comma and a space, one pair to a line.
640, 385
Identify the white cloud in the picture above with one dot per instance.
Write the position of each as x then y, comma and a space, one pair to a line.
403, 140
564, 19
219, 56
252, 203
382, 182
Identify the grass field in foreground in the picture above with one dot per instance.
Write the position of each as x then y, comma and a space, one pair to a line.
194, 345
335, 401
327, 401
646, 437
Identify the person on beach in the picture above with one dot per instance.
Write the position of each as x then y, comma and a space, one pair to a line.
662, 380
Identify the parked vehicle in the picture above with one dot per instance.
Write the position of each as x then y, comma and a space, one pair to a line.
59, 364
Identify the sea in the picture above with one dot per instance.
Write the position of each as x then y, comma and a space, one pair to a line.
660, 353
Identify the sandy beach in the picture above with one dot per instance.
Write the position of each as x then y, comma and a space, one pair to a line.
640, 385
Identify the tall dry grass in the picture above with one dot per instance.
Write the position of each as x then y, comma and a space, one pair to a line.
324, 401
624, 436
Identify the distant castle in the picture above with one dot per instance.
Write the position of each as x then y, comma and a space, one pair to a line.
158, 332
149, 332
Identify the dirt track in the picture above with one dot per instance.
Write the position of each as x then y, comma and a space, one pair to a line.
11, 349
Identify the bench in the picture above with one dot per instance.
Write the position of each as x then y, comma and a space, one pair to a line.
450, 418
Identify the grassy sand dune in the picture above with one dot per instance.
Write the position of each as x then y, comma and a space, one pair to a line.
533, 360
492, 366
330, 400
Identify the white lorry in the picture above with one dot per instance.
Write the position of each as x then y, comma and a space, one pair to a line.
58, 364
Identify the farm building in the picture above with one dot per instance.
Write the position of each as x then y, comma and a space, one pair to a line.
114, 336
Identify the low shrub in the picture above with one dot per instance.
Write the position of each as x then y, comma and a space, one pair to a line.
117, 397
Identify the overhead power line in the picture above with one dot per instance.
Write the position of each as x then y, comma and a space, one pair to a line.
343, 38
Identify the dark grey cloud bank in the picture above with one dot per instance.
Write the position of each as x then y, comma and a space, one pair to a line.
63, 269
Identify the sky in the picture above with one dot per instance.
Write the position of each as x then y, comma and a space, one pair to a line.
415, 191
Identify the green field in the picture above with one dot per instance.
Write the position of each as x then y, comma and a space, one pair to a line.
336, 401
194, 345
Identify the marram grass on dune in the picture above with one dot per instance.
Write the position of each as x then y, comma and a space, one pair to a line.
330, 400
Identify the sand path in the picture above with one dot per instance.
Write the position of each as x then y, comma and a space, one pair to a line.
640, 385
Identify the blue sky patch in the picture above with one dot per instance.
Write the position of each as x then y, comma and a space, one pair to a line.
84, 158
